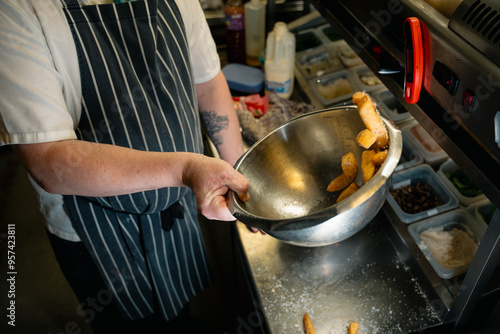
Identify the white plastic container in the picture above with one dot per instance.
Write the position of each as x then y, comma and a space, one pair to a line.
255, 32
280, 61
458, 219
430, 150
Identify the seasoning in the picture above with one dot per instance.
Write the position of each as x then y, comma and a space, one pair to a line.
416, 198
451, 249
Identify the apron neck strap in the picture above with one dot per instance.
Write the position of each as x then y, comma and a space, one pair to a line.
70, 3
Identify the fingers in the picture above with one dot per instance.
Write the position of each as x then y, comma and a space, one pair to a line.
218, 210
239, 184
255, 230
211, 179
243, 196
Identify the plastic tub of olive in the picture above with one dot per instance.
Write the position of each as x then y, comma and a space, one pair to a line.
290, 169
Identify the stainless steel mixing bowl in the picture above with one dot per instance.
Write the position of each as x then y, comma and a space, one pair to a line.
290, 169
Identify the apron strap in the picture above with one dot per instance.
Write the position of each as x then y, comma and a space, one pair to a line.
71, 3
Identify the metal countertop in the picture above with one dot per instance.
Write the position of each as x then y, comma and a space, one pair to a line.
360, 279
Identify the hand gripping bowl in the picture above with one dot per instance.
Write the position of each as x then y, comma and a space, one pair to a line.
290, 169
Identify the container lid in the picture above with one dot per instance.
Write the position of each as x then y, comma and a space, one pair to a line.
243, 78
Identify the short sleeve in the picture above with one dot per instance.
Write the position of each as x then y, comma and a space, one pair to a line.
205, 60
33, 104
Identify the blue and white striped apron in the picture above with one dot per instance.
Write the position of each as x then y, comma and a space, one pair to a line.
138, 92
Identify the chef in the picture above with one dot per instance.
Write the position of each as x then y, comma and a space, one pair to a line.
103, 102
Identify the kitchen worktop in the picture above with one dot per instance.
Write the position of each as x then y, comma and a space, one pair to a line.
361, 279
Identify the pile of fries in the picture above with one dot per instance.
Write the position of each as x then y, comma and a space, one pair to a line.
374, 139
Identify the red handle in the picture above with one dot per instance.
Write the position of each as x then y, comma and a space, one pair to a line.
414, 71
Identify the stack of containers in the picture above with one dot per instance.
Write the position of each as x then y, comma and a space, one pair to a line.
447, 235
328, 64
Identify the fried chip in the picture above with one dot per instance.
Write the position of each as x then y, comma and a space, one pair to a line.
371, 117
353, 328
367, 165
350, 170
365, 138
350, 165
379, 157
353, 187
308, 326
340, 182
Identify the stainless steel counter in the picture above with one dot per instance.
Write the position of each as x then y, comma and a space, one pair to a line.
361, 279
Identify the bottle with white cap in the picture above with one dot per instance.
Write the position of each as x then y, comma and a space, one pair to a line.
255, 30
280, 61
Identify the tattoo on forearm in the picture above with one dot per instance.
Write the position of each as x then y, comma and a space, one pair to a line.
214, 124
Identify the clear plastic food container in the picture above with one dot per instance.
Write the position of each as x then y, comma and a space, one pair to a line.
334, 87
459, 184
328, 34
367, 80
430, 150
409, 156
346, 54
318, 63
420, 175
482, 211
448, 241
307, 40
391, 108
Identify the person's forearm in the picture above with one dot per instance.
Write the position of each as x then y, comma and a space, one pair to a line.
74, 167
220, 119
88, 169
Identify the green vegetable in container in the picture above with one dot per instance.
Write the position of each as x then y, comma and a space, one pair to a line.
486, 213
463, 184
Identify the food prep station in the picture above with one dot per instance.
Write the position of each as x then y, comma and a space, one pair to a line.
383, 277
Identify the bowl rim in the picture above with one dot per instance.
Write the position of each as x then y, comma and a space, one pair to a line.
320, 216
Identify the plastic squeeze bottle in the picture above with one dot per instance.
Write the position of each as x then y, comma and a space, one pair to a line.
280, 61
255, 30
235, 31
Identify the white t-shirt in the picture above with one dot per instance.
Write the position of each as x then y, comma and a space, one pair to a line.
40, 80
